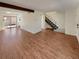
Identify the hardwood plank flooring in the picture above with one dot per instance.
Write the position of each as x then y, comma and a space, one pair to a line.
19, 44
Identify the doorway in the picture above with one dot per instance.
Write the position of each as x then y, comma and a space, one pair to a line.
10, 21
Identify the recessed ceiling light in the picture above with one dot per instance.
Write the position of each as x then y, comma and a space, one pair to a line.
5, 18
8, 12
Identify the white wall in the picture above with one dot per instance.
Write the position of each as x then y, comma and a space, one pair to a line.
66, 21
58, 18
31, 22
70, 21
77, 22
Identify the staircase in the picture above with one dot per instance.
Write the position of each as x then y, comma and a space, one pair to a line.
53, 25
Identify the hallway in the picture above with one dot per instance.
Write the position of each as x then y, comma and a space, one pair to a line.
19, 44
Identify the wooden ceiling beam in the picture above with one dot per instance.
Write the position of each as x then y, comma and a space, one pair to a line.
15, 7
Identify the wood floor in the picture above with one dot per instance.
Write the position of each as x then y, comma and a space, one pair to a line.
19, 44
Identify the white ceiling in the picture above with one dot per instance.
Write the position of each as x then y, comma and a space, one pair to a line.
44, 5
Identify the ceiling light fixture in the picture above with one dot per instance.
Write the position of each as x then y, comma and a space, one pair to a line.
8, 12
